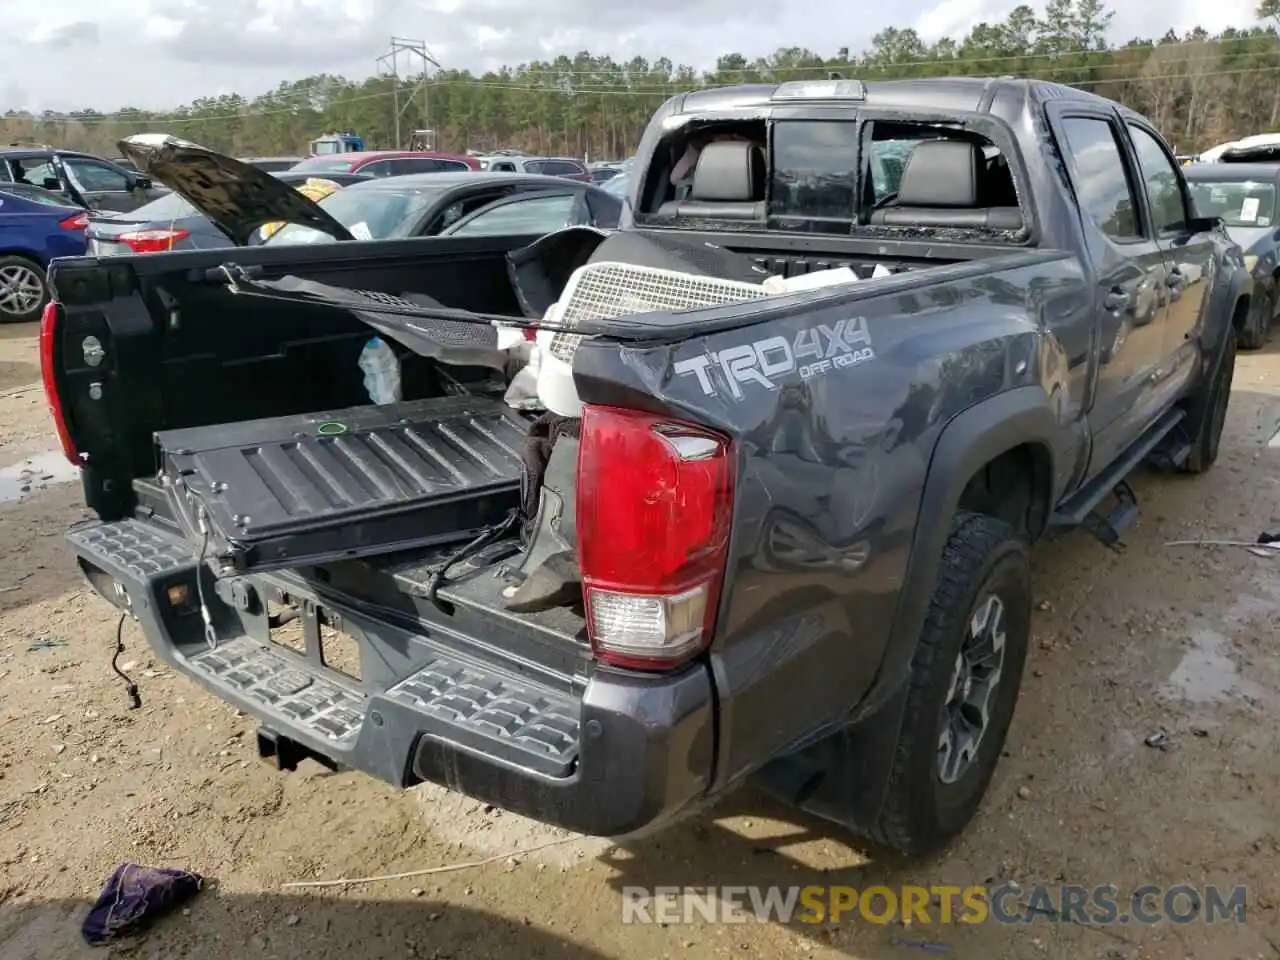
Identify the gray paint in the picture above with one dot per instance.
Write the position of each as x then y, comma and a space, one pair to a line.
848, 480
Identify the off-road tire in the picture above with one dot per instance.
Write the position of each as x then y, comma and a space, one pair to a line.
1207, 413
921, 813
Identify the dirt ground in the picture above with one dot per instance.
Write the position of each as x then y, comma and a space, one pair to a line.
1172, 639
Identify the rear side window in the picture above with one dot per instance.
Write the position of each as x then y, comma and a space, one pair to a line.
416, 165
813, 175
505, 166
379, 168
1099, 177
562, 168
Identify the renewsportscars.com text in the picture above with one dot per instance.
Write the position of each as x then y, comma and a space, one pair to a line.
1008, 904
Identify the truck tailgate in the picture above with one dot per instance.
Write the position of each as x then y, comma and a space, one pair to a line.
308, 489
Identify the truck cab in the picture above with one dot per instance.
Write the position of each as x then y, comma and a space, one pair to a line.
334, 143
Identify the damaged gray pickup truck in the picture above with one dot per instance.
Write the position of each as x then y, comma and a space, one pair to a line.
777, 534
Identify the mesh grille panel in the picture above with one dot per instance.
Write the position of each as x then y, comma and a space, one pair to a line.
603, 291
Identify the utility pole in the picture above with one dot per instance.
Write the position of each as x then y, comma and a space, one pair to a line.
410, 52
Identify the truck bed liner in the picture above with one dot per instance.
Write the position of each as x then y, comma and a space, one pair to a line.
298, 490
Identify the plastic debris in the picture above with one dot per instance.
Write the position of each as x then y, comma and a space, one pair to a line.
1159, 741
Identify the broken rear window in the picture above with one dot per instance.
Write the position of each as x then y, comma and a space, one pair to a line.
813, 175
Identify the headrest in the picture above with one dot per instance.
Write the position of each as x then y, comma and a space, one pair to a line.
729, 171
941, 173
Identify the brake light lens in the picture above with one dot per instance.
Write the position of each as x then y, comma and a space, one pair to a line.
152, 241
48, 375
79, 222
654, 511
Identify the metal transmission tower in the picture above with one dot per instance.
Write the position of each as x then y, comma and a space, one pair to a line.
410, 53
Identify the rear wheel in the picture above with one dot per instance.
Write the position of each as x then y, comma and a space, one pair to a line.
965, 679
22, 290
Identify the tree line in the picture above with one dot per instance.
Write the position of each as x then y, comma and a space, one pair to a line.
1199, 88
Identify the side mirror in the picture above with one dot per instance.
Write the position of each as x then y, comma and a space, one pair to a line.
142, 183
1204, 224
51, 183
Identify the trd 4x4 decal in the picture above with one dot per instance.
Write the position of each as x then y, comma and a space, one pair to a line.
814, 351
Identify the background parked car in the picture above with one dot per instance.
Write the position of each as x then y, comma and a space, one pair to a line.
460, 204
549, 166
36, 225
84, 179
617, 186
1245, 196
387, 163
173, 223
421, 205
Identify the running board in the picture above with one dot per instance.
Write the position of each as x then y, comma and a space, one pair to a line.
1163, 443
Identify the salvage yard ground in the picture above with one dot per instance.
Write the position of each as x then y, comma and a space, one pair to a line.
1172, 640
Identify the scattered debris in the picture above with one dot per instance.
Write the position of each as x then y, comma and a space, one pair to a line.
46, 642
1159, 741
1024, 793
931, 946
133, 897
430, 871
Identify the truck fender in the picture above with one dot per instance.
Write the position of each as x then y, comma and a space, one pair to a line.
843, 776
970, 439
1214, 336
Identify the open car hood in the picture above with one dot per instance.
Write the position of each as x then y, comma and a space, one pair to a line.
236, 197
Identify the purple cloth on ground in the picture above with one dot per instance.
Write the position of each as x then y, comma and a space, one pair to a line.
133, 897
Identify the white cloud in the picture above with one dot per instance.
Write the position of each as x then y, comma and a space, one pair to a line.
189, 48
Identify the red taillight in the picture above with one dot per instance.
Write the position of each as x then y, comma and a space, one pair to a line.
152, 241
78, 222
48, 374
655, 501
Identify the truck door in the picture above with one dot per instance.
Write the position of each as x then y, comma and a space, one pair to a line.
1130, 272
1189, 259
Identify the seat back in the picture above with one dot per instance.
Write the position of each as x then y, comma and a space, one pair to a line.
728, 184
942, 186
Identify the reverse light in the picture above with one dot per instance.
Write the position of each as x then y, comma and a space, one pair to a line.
654, 509
152, 241
78, 222
49, 355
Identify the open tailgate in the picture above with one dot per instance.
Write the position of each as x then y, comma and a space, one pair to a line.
294, 491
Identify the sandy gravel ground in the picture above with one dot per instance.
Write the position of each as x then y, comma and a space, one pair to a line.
1179, 640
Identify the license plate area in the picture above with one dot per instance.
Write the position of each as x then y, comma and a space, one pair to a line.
309, 629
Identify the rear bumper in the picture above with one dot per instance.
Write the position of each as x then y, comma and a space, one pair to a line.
610, 755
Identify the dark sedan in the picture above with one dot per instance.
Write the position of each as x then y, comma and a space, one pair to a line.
172, 223
1243, 195
460, 204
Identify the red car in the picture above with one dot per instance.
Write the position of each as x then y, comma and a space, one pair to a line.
387, 163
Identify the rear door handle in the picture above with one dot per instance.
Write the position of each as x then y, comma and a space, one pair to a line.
1116, 300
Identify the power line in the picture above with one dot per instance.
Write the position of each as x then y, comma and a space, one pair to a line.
663, 91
